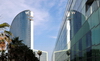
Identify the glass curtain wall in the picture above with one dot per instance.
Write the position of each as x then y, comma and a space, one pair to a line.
85, 30
21, 27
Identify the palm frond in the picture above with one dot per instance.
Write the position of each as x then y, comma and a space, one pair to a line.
8, 32
4, 25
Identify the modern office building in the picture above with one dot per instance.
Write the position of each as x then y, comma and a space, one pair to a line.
84, 29
22, 27
83, 16
43, 57
63, 42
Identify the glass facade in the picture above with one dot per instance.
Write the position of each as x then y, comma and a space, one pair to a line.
43, 57
84, 29
21, 27
84, 19
63, 42
60, 55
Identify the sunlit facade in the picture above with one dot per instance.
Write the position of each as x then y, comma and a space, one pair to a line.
22, 27
43, 57
63, 42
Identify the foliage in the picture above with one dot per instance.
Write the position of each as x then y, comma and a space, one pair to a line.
4, 25
68, 52
5, 36
39, 53
20, 52
16, 50
3, 39
8, 33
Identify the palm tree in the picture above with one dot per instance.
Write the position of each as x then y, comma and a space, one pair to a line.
4, 25
2, 43
6, 34
13, 49
20, 52
4, 37
39, 53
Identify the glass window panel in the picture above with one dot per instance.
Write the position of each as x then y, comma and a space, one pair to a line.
89, 52
77, 57
97, 51
80, 45
97, 59
95, 18
80, 55
83, 43
95, 35
88, 39
89, 59
84, 55
93, 59
93, 51
77, 47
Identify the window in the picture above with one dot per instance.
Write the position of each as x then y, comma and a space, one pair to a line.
88, 39
88, 4
80, 45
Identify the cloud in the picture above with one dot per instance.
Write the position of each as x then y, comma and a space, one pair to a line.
46, 22
40, 17
54, 37
9, 10
12, 7
40, 8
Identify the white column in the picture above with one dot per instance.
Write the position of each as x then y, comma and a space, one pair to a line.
68, 33
32, 34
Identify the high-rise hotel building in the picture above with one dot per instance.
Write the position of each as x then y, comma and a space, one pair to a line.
22, 27
84, 18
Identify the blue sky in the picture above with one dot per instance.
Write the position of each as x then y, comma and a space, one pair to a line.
48, 16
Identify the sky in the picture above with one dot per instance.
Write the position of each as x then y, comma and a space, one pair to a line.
48, 15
